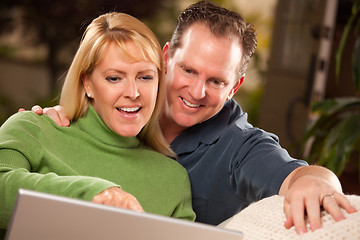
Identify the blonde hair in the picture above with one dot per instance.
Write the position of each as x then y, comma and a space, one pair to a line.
119, 28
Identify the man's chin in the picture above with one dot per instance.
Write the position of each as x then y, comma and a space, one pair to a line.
186, 122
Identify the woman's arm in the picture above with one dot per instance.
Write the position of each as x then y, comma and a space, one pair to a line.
184, 209
24, 164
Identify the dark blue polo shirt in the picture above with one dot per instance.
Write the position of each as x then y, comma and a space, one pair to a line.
231, 164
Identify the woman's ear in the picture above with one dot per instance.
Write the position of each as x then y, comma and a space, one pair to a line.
236, 87
87, 85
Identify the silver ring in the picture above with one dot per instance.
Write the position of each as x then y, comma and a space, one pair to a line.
327, 195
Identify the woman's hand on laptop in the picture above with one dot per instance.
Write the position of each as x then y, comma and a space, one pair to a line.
56, 113
116, 197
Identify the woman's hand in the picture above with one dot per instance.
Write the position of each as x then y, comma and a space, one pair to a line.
116, 197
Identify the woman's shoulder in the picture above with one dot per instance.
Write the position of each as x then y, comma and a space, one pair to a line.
26, 119
22, 118
164, 161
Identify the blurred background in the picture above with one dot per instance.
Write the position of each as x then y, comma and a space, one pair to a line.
294, 67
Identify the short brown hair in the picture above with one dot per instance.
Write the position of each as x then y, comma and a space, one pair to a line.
221, 22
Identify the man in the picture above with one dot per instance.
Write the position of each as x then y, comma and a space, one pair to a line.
231, 163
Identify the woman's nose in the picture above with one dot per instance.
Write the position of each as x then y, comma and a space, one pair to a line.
131, 90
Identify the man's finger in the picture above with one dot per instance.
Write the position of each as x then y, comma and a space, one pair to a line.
37, 109
344, 202
289, 220
53, 114
298, 214
313, 213
64, 120
331, 206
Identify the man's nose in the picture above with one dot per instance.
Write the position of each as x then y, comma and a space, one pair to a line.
197, 88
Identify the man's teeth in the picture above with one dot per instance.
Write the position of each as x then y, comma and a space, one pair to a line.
133, 109
190, 104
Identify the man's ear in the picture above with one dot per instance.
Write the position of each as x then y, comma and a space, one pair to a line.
236, 87
166, 49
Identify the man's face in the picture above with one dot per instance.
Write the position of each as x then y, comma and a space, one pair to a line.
201, 76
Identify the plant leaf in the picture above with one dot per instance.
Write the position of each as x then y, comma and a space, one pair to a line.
344, 37
330, 106
330, 112
341, 141
356, 63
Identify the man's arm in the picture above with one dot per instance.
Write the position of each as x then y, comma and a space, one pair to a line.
310, 188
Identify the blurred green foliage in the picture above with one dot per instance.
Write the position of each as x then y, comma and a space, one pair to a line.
336, 130
58, 23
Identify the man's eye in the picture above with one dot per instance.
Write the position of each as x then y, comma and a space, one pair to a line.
112, 78
189, 71
217, 84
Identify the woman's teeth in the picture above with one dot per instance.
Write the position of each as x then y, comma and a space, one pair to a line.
130, 110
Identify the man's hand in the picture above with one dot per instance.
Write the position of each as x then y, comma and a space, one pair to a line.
306, 190
116, 197
55, 113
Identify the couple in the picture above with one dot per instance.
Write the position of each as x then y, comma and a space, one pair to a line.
230, 163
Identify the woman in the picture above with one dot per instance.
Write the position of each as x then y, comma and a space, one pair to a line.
113, 95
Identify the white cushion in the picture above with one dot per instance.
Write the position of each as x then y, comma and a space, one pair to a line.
265, 220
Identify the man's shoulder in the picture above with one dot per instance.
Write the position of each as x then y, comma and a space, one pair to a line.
233, 114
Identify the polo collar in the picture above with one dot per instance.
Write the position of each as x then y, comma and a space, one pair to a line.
206, 132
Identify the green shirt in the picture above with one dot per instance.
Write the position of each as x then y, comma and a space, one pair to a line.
83, 160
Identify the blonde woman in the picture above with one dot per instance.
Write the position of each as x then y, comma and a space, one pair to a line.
113, 94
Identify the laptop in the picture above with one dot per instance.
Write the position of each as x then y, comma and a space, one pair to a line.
45, 216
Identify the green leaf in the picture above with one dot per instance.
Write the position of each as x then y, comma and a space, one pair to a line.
356, 62
344, 37
329, 112
324, 107
330, 106
356, 7
341, 141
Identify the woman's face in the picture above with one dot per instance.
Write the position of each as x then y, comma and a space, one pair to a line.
124, 93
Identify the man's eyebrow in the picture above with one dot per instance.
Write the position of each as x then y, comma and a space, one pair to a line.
184, 65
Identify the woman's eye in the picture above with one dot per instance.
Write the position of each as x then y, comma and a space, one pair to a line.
147, 77
112, 78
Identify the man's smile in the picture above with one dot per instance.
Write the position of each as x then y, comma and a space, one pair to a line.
189, 104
